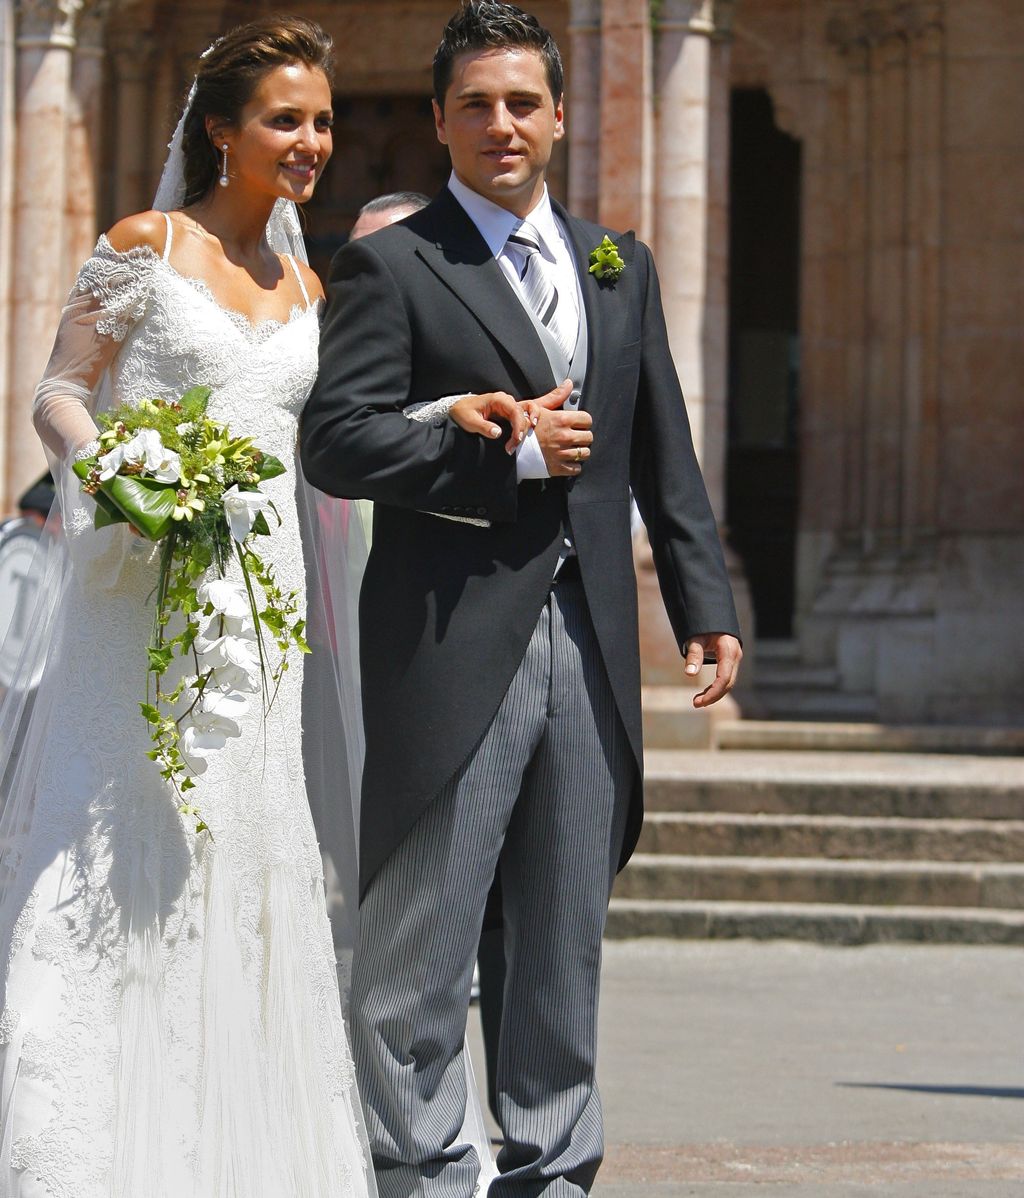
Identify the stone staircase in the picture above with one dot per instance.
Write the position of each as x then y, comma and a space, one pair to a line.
787, 689
834, 845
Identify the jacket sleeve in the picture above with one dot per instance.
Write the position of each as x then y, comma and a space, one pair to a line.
355, 440
669, 489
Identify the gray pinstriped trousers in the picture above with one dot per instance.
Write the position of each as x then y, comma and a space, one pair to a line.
546, 794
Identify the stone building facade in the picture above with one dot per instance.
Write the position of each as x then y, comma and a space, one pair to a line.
832, 191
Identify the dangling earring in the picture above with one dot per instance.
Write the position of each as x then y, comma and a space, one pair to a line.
223, 180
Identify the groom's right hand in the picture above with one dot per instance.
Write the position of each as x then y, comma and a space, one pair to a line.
564, 437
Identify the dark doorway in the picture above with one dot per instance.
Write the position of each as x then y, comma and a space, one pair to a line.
381, 144
762, 468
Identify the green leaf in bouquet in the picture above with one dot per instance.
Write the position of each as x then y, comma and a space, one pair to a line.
200, 556
83, 467
143, 502
106, 513
194, 402
270, 467
260, 525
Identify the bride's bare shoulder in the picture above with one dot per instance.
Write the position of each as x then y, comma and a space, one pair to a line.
142, 229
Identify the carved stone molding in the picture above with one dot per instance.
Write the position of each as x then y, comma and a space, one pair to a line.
132, 50
92, 26
711, 18
853, 27
47, 23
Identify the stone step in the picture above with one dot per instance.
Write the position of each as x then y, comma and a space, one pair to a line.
776, 675
866, 737
728, 834
910, 786
777, 651
802, 880
793, 701
821, 923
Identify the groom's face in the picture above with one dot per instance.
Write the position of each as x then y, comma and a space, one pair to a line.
499, 123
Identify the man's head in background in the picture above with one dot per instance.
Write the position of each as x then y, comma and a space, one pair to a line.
385, 210
35, 504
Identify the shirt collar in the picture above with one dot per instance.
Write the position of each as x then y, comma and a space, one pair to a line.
495, 223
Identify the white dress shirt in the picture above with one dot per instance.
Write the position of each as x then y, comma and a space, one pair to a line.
495, 224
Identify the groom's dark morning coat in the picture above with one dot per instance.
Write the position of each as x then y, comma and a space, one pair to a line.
420, 310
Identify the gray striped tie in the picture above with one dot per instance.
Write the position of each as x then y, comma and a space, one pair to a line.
538, 286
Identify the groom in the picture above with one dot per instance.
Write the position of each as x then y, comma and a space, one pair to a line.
501, 685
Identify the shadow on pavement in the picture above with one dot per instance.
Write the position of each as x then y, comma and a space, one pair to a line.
969, 1091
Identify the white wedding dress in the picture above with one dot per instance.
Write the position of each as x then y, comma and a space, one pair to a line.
171, 1025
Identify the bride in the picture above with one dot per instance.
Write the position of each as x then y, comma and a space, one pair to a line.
171, 1026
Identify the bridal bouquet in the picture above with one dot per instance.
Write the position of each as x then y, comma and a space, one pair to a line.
183, 481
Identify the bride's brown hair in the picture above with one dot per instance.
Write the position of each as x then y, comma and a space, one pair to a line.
229, 74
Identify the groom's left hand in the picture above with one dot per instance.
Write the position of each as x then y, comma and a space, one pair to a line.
728, 654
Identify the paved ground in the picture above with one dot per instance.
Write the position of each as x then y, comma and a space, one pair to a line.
738, 1069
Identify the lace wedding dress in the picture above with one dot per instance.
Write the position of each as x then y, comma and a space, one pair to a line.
171, 1025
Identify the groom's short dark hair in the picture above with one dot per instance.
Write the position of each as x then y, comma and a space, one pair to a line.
491, 25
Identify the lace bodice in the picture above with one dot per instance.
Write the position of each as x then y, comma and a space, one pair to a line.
260, 374
141, 960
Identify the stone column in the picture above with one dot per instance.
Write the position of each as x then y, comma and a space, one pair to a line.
691, 223
924, 264
690, 157
132, 53
7, 145
45, 40
626, 157
875, 604
84, 132
166, 102
583, 107
886, 215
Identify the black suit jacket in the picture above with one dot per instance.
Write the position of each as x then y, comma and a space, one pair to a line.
420, 310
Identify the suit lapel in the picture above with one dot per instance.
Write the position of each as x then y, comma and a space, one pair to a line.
460, 258
601, 304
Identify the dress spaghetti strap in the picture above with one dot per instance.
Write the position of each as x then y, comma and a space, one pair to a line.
170, 238
298, 276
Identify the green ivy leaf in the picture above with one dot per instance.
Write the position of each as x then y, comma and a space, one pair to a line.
159, 659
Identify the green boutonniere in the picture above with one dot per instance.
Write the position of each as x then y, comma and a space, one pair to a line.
605, 263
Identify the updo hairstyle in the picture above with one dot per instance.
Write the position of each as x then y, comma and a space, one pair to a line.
228, 77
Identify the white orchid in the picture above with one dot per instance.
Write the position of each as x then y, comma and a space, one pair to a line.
232, 678
193, 747
224, 625
145, 449
220, 712
242, 626
108, 464
241, 509
227, 598
227, 650
162, 463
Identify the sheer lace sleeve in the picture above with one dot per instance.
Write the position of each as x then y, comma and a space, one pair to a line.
108, 297
433, 411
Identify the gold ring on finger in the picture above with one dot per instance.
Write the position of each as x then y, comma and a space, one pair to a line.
579, 454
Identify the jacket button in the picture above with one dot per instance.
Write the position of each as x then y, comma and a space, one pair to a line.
481, 511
